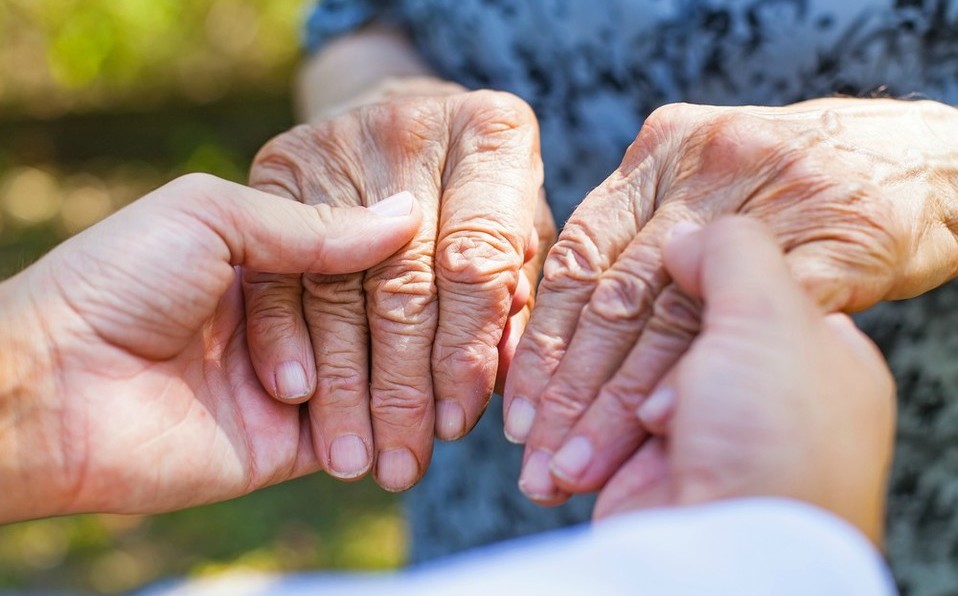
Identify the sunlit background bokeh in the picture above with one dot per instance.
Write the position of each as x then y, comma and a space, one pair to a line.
100, 101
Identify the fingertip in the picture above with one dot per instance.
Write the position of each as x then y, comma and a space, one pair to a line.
349, 457
680, 254
450, 420
400, 204
572, 460
536, 483
520, 298
519, 418
397, 470
290, 382
657, 410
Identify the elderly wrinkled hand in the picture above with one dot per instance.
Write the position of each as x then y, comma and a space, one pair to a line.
774, 398
858, 192
410, 349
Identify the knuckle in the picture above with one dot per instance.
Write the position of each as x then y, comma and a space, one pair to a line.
198, 181
407, 125
274, 319
730, 139
620, 297
340, 387
626, 391
663, 123
334, 290
401, 404
402, 294
675, 314
563, 402
540, 346
574, 258
493, 112
479, 256
466, 361
278, 167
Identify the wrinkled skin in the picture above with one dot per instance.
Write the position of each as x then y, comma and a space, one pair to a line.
859, 193
411, 348
774, 398
125, 379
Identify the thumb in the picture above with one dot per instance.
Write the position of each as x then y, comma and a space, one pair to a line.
736, 267
267, 233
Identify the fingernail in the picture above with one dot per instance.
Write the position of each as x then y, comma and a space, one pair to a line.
571, 461
398, 205
450, 420
656, 409
683, 228
397, 469
519, 420
535, 481
291, 381
348, 457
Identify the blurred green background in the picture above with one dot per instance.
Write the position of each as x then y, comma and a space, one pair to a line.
100, 101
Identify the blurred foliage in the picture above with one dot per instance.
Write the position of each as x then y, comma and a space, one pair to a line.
308, 524
101, 101
65, 55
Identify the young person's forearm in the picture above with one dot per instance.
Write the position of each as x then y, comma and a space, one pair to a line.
348, 68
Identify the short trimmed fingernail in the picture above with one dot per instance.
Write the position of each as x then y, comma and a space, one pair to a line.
573, 458
683, 228
519, 420
398, 205
535, 481
397, 469
291, 381
348, 457
656, 409
450, 420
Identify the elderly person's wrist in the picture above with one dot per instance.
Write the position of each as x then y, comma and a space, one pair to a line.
33, 453
390, 88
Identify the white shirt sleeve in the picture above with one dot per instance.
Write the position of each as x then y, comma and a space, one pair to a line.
746, 547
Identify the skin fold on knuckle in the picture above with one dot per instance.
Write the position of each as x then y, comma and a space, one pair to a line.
674, 314
277, 167
273, 315
561, 405
619, 298
315, 163
489, 258
575, 260
495, 120
624, 393
401, 402
402, 293
340, 386
538, 346
334, 293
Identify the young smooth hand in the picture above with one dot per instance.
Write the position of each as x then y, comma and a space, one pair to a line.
774, 397
125, 378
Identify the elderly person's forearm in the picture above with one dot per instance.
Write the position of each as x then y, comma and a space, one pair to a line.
348, 71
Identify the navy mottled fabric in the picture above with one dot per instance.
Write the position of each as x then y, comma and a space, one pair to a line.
593, 70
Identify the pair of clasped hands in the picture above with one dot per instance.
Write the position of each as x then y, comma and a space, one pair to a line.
377, 282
